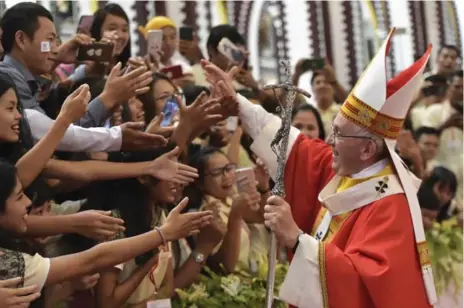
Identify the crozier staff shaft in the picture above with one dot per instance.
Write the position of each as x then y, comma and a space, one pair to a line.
279, 146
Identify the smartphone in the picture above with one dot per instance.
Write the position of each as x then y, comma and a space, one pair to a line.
170, 111
98, 52
85, 23
160, 303
231, 51
232, 123
186, 33
154, 43
244, 178
173, 72
313, 64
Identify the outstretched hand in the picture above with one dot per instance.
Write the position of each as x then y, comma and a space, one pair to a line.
13, 297
180, 225
155, 127
167, 168
202, 113
214, 75
133, 138
97, 225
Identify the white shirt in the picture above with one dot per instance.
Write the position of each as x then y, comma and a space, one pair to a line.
76, 138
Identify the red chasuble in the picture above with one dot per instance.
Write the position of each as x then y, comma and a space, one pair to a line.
372, 260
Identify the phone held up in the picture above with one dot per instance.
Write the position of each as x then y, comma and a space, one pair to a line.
170, 111
98, 52
313, 64
231, 51
154, 43
173, 72
186, 33
85, 23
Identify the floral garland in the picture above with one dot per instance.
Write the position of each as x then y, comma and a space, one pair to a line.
238, 290
445, 246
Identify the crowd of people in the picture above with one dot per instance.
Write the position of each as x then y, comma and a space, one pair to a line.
120, 183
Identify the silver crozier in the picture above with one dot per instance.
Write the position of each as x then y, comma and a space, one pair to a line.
279, 146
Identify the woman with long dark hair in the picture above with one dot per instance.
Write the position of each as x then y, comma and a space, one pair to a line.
39, 271
111, 23
142, 203
245, 237
308, 120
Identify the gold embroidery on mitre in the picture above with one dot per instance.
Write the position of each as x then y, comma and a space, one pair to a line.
362, 114
423, 250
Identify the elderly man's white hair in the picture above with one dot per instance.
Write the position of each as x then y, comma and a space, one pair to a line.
379, 142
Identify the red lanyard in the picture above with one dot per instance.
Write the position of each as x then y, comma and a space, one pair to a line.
164, 248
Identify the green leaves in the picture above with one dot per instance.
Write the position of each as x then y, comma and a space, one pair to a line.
445, 247
238, 290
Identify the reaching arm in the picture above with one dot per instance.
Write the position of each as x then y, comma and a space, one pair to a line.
76, 138
101, 256
41, 226
262, 127
229, 252
31, 164
109, 254
96, 114
111, 293
94, 224
91, 170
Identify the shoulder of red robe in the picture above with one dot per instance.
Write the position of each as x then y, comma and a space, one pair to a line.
381, 105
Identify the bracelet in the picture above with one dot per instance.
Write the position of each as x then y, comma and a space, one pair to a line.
161, 235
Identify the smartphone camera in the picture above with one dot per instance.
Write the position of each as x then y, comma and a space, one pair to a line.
170, 111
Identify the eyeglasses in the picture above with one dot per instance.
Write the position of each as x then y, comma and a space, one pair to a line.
222, 171
336, 135
167, 96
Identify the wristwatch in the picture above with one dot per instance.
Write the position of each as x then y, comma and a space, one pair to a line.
198, 257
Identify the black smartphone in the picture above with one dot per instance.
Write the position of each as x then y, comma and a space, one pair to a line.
313, 64
186, 33
98, 52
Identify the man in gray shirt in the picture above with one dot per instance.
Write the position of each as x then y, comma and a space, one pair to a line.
30, 43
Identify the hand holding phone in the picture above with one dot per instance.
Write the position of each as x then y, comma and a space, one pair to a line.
97, 51
312, 64
171, 108
173, 72
231, 51
154, 43
186, 33
245, 178
232, 123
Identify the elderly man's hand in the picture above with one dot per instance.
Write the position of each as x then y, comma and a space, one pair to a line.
278, 217
215, 76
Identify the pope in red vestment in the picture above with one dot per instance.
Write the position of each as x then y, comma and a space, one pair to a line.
351, 215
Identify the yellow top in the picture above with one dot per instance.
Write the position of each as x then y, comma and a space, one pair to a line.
338, 220
157, 23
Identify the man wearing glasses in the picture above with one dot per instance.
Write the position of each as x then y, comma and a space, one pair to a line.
350, 219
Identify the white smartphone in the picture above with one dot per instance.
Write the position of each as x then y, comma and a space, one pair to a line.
154, 43
231, 51
244, 178
160, 303
232, 123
